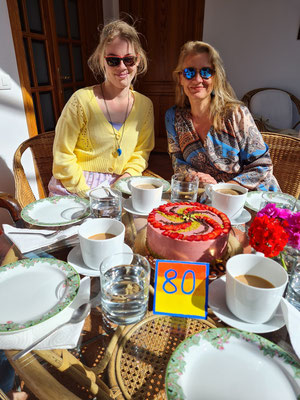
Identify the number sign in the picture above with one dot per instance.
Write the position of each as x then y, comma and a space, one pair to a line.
181, 288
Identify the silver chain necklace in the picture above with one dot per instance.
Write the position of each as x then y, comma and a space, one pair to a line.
118, 150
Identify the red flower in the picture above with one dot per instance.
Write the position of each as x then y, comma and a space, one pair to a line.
268, 235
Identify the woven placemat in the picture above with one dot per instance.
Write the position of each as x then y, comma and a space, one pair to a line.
139, 363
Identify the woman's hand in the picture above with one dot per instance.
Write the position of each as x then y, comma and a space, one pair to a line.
126, 175
205, 178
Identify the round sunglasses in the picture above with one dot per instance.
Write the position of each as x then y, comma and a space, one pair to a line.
113, 61
205, 72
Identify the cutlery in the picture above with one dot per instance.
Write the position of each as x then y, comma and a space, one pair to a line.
78, 315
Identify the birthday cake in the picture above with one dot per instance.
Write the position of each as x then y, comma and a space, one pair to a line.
187, 232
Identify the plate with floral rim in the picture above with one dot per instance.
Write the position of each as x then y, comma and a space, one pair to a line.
122, 184
56, 211
227, 364
33, 291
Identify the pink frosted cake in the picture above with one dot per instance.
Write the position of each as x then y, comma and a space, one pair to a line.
187, 232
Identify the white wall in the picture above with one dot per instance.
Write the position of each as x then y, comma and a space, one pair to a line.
257, 40
13, 127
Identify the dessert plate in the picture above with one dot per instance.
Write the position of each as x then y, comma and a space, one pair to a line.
76, 261
242, 219
253, 199
247, 367
34, 290
122, 184
217, 302
56, 211
127, 205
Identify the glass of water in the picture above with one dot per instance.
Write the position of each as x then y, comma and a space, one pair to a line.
293, 289
124, 279
106, 202
184, 187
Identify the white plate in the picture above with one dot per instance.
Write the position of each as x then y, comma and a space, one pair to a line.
242, 219
217, 302
127, 205
253, 199
228, 364
34, 290
122, 184
56, 211
75, 259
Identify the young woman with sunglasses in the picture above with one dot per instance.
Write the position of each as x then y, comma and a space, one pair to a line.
105, 132
210, 133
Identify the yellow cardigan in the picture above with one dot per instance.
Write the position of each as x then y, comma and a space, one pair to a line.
85, 140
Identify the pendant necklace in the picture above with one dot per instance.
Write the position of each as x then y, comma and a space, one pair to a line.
118, 150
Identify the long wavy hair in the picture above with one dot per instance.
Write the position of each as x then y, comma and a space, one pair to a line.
116, 29
223, 98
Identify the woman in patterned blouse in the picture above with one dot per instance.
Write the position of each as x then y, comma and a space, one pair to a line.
210, 133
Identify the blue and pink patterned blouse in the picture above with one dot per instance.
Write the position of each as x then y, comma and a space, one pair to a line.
237, 152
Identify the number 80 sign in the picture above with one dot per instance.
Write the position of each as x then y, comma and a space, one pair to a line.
181, 288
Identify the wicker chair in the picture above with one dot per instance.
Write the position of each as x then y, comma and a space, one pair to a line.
263, 124
41, 148
285, 155
10, 204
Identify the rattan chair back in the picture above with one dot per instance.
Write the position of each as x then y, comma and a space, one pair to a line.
260, 123
41, 149
285, 155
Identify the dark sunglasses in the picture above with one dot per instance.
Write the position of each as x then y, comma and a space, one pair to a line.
205, 72
129, 61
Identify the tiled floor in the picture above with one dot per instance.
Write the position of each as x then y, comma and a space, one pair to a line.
160, 163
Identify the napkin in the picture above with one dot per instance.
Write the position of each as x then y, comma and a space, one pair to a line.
32, 240
292, 320
65, 338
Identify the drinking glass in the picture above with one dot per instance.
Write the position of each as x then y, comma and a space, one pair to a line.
184, 188
124, 279
105, 203
293, 289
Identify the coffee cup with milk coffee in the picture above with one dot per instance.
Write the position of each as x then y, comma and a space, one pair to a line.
145, 193
254, 287
227, 197
100, 238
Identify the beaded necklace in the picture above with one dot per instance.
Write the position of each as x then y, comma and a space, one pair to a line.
118, 150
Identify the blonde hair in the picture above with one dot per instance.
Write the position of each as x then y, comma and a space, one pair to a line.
116, 29
224, 98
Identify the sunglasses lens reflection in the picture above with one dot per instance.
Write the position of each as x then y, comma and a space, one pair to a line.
206, 73
189, 73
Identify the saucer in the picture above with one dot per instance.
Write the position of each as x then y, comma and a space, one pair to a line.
76, 261
242, 219
127, 205
217, 302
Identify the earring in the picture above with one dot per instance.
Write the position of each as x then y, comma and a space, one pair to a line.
212, 93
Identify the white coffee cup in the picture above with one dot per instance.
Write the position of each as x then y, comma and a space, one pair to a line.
144, 198
231, 205
94, 251
250, 303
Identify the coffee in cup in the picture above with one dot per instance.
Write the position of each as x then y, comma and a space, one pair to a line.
100, 238
249, 302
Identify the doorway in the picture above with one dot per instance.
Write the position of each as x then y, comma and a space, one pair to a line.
52, 39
